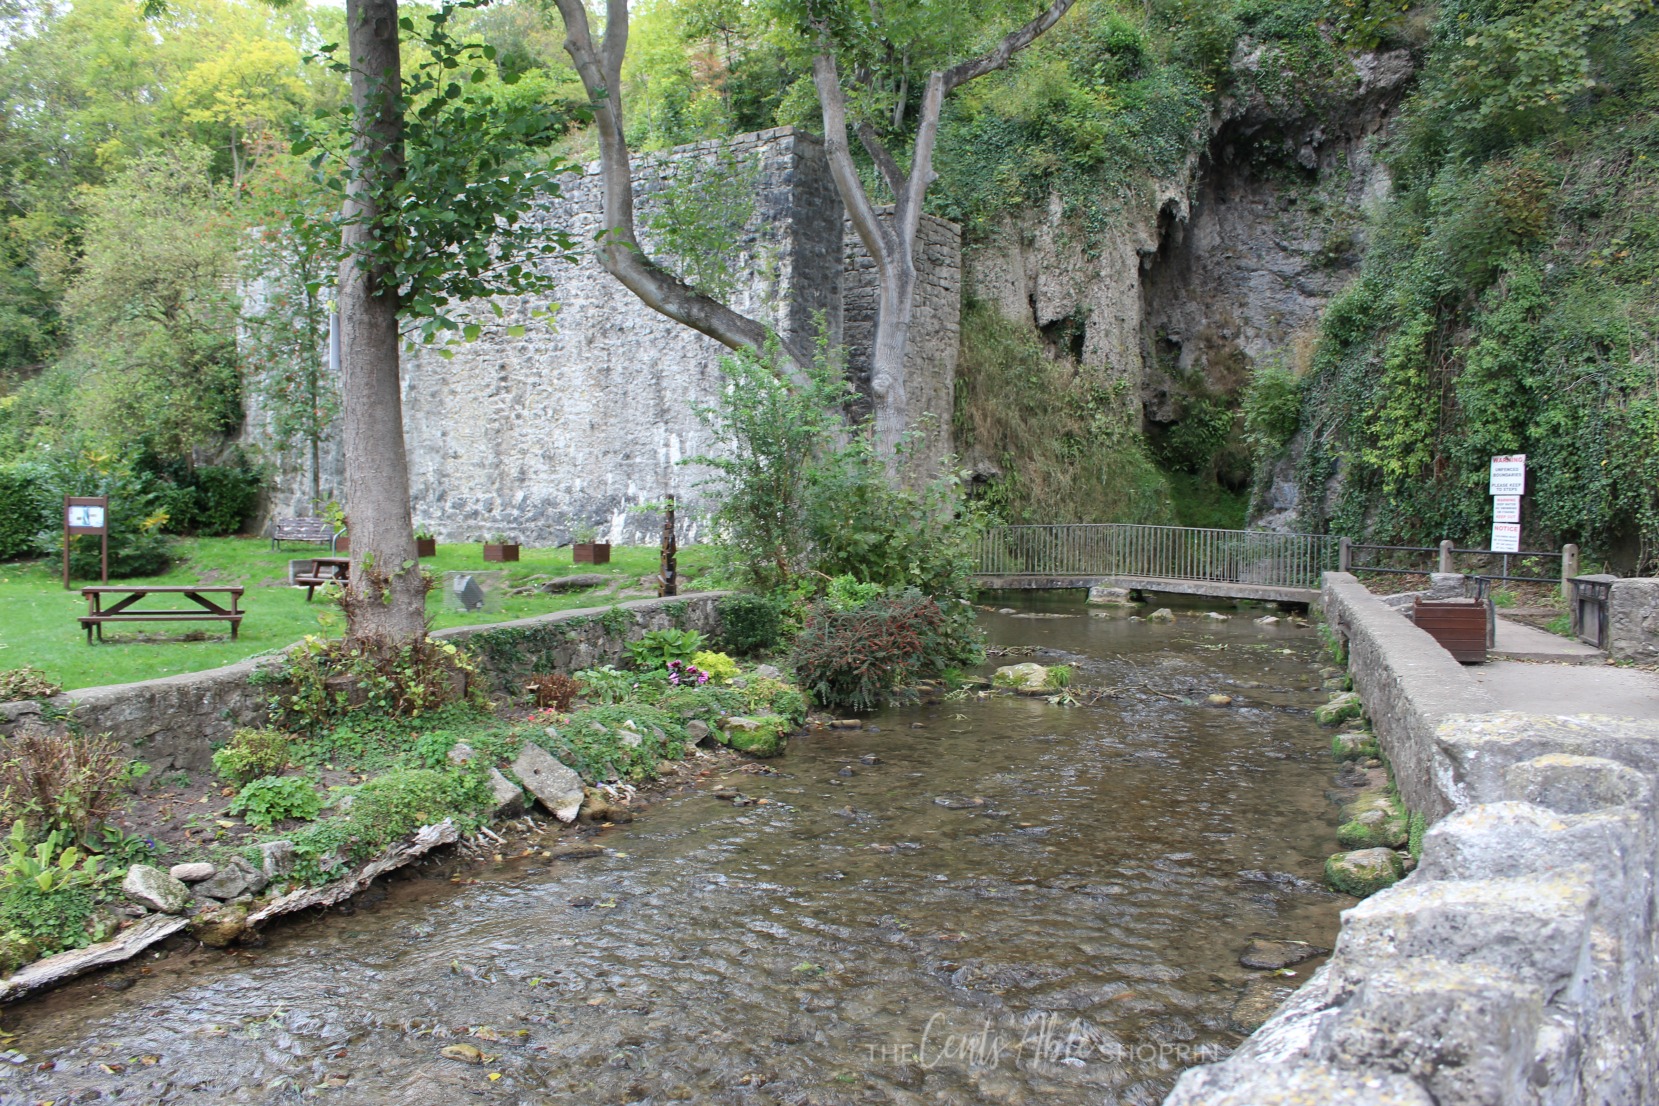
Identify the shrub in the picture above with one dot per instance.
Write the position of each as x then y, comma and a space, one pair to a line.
270, 799
386, 809
598, 742
658, 647
46, 891
25, 509
770, 696
553, 690
845, 593
718, 666
215, 500
26, 683
749, 624
253, 753
139, 511
61, 781
859, 658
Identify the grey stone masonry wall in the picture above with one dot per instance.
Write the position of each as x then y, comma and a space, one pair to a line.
587, 418
1516, 964
1633, 620
935, 329
174, 723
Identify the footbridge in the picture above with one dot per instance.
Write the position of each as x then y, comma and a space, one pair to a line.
1184, 560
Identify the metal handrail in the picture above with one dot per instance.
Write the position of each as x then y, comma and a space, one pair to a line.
1260, 557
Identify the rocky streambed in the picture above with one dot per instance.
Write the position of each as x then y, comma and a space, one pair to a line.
994, 898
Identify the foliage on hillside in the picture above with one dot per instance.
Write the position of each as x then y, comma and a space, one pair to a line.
1507, 302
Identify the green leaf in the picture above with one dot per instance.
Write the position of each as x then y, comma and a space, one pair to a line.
515, 331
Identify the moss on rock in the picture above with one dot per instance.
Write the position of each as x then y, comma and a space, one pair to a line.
1375, 819
1354, 745
1363, 872
763, 735
1339, 709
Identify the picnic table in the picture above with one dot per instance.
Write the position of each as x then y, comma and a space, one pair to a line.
323, 570
122, 605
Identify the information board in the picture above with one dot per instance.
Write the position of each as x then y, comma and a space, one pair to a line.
1506, 508
1506, 537
1509, 475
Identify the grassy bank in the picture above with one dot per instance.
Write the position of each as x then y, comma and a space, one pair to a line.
39, 626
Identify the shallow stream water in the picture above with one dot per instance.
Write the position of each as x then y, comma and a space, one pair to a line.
1020, 903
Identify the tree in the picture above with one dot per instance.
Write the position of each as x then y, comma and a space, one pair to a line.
886, 43
434, 179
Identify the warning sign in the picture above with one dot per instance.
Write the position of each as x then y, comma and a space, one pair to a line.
1506, 508
1509, 475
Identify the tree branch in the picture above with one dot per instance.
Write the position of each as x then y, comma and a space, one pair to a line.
619, 248
1013, 43
872, 232
890, 171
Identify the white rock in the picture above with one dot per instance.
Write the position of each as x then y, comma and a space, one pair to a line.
557, 787
192, 873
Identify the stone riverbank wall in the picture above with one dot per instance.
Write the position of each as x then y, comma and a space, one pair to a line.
174, 724
585, 419
1516, 964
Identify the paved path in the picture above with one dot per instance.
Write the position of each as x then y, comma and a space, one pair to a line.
1516, 641
1569, 688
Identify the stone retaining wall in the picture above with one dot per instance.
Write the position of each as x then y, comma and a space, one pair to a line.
174, 723
1517, 963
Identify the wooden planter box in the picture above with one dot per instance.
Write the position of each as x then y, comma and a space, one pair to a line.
591, 553
1459, 625
500, 553
342, 544
426, 547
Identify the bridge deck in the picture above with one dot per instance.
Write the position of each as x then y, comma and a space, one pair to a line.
1215, 589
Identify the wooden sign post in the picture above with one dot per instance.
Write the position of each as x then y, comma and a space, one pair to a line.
670, 576
86, 514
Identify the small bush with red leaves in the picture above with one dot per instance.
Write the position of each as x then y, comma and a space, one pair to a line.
860, 658
553, 690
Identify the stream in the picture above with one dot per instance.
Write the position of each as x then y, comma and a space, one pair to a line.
1017, 903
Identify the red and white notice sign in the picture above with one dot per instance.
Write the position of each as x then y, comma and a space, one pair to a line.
1509, 475
1506, 537
1506, 508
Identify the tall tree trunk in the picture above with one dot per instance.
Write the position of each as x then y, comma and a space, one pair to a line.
386, 600
887, 353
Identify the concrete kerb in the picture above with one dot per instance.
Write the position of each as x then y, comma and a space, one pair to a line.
1516, 964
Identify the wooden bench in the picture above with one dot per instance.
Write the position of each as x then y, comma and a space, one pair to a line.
318, 531
322, 570
123, 608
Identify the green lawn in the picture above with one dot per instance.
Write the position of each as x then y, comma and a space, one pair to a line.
38, 617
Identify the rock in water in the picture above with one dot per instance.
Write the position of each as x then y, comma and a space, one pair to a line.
467, 1054
1269, 955
1219, 700
557, 787
1259, 1000
1021, 677
1354, 745
218, 926
155, 889
509, 799
1162, 614
1117, 597
192, 873
1339, 709
1364, 871
1267, 620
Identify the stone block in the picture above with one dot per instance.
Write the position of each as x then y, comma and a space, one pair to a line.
508, 797
1633, 620
1569, 784
1269, 1084
1464, 1032
1536, 929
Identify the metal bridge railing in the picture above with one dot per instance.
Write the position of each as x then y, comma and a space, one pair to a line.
1158, 552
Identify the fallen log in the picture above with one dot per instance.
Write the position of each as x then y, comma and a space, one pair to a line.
64, 966
425, 840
